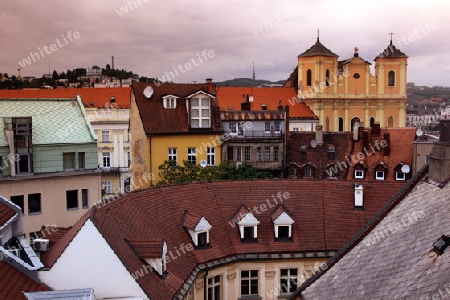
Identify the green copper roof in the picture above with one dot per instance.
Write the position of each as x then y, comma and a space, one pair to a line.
54, 121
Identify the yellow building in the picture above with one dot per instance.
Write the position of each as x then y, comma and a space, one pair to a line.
343, 93
172, 122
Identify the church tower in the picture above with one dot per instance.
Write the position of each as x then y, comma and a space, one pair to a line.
344, 93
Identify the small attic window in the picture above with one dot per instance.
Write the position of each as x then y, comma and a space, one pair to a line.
170, 102
198, 229
283, 227
248, 228
359, 174
112, 100
331, 152
441, 244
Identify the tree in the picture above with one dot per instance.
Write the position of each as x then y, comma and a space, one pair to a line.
95, 67
172, 173
55, 75
108, 67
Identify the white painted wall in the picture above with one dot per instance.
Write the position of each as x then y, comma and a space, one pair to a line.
89, 262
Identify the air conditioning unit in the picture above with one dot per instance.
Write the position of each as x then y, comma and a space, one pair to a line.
40, 245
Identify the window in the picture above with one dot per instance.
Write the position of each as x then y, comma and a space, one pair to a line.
192, 155
308, 172
266, 153
200, 113
379, 175
233, 127
23, 144
249, 233
18, 200
85, 198
214, 288
72, 199
292, 171
283, 231
105, 136
400, 176
391, 78
327, 77
296, 129
173, 154
247, 152
230, 153
238, 153
277, 126
359, 174
1, 165
107, 187
331, 152
210, 156
258, 154
81, 160
240, 128
276, 153
34, 203
106, 159
69, 161
249, 283
236, 128
341, 124
266, 126
128, 159
356, 76
288, 281
309, 77
170, 102
202, 238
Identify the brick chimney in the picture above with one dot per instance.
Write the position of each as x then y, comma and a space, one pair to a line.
439, 159
209, 85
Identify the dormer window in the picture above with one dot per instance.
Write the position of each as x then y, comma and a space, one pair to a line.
379, 175
170, 102
198, 228
360, 170
154, 252
359, 174
200, 112
248, 225
380, 171
282, 222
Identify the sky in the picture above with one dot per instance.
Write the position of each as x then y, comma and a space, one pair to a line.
219, 39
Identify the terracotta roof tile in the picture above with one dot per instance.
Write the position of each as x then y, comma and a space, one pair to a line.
190, 221
6, 213
99, 97
278, 211
325, 208
232, 97
13, 282
53, 234
147, 248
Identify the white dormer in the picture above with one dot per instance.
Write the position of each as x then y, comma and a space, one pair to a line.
200, 234
283, 226
158, 263
170, 101
248, 226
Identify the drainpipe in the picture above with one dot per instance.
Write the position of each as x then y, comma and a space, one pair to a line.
205, 286
10, 137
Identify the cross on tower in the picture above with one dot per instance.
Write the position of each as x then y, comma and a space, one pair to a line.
391, 34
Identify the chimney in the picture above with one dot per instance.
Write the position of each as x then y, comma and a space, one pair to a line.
286, 109
359, 199
209, 85
387, 149
245, 105
439, 159
280, 107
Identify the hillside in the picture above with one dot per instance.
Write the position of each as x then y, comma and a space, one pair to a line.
249, 82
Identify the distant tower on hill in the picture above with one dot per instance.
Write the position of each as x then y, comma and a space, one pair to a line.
112, 62
254, 77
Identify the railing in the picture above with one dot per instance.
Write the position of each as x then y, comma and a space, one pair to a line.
115, 170
255, 134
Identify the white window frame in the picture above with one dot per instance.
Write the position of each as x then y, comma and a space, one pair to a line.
277, 126
359, 176
380, 177
248, 221
211, 156
213, 283
233, 128
308, 172
247, 153
105, 136
400, 178
258, 153
200, 107
267, 126
170, 102
267, 152
276, 153
283, 220
107, 186
238, 153
172, 154
289, 278
106, 156
249, 279
192, 155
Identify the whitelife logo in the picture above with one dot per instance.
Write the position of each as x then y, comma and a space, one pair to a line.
70, 37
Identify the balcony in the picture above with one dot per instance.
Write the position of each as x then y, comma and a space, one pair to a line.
255, 134
115, 170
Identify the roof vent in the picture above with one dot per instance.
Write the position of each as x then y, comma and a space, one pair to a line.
112, 100
440, 245
263, 106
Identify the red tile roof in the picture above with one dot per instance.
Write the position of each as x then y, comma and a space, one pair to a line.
13, 282
233, 97
6, 213
147, 248
157, 120
323, 211
190, 221
53, 234
99, 97
318, 49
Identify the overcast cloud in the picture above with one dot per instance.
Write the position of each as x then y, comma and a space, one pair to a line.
155, 36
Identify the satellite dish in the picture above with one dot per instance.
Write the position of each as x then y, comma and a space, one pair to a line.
148, 92
313, 143
406, 169
250, 98
419, 132
203, 163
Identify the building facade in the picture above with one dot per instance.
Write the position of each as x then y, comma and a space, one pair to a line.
345, 92
48, 160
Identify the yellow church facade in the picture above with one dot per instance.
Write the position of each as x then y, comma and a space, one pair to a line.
343, 93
